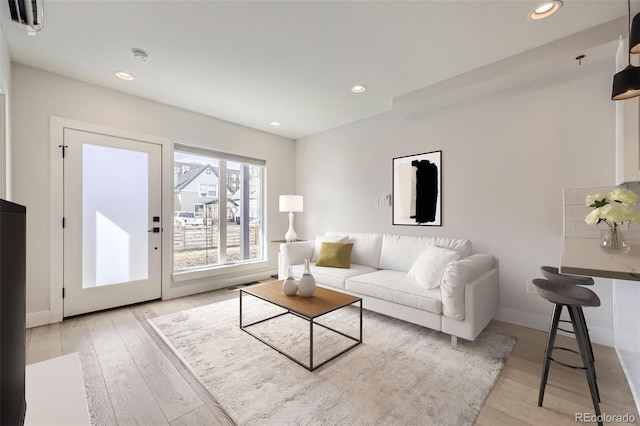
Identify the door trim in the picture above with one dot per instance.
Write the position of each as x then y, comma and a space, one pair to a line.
56, 203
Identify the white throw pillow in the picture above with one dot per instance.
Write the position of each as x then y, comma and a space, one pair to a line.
327, 239
428, 267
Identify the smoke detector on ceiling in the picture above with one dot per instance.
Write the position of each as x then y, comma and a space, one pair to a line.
140, 54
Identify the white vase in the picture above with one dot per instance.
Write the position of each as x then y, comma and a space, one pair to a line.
306, 283
289, 286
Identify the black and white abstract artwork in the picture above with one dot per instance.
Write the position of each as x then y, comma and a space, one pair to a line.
417, 189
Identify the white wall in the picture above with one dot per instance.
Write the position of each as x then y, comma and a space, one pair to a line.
38, 95
5, 137
626, 299
506, 159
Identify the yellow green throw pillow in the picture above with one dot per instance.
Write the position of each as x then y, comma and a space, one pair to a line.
335, 255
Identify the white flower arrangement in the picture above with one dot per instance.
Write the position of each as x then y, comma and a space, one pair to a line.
614, 208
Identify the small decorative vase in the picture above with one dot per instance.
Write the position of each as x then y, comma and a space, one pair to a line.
613, 241
289, 286
306, 283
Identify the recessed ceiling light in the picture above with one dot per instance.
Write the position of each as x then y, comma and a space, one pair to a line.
124, 75
275, 124
358, 88
545, 9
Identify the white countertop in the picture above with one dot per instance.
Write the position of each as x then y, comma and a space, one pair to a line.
583, 256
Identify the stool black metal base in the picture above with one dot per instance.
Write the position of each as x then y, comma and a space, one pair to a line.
573, 298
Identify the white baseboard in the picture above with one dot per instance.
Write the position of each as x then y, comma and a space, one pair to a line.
214, 284
36, 319
598, 335
525, 319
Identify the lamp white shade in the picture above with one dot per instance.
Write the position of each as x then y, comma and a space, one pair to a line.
291, 203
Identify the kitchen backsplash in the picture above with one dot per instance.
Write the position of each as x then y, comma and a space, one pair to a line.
575, 212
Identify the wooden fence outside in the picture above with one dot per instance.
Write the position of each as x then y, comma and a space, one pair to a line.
198, 237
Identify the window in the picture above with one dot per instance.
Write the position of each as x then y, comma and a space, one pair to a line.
208, 189
203, 189
225, 229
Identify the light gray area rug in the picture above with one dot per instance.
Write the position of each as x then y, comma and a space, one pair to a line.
402, 374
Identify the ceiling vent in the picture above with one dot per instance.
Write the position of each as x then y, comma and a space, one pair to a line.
140, 54
27, 12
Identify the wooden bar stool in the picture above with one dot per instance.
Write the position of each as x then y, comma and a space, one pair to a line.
573, 297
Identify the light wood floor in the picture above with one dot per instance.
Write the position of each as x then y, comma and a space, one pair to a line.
132, 378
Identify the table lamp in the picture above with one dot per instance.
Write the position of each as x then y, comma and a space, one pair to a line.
291, 203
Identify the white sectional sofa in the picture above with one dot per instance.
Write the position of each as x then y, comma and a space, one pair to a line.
462, 305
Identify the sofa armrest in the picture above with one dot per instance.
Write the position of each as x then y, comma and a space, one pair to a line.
481, 300
293, 254
456, 276
480, 306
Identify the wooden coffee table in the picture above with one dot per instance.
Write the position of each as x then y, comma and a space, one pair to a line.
309, 308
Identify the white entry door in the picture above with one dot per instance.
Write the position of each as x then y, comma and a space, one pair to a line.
112, 224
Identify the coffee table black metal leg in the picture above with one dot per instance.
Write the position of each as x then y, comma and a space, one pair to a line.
360, 320
311, 344
241, 309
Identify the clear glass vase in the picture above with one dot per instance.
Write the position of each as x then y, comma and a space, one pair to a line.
613, 241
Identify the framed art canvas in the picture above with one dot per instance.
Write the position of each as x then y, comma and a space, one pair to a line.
417, 189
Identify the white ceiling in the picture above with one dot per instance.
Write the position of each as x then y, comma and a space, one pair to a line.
294, 62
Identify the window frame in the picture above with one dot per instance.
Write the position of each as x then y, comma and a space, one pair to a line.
223, 266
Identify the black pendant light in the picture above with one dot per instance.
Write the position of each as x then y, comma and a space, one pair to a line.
626, 83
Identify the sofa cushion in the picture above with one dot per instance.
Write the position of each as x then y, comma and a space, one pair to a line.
332, 277
456, 276
428, 267
396, 287
366, 247
399, 252
328, 239
335, 255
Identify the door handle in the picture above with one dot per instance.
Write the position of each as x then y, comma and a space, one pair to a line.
154, 230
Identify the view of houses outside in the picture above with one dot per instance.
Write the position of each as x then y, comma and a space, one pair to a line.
198, 187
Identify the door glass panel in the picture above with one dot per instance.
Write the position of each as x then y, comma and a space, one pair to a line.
115, 215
